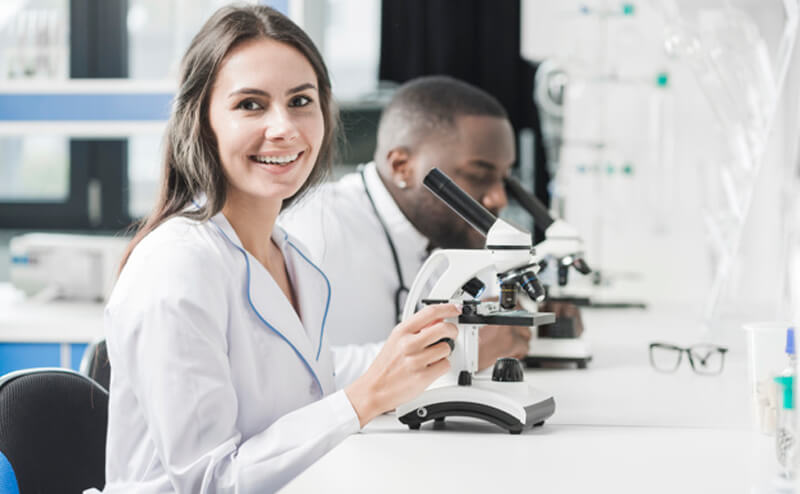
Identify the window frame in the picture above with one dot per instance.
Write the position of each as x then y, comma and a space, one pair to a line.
97, 191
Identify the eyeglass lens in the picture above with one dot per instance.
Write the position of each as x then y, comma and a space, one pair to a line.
665, 358
706, 359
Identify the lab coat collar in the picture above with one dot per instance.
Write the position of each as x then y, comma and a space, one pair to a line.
402, 231
312, 292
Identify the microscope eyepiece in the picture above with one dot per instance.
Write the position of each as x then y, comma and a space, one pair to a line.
459, 201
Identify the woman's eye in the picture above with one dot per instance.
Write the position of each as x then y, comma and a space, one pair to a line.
299, 101
249, 105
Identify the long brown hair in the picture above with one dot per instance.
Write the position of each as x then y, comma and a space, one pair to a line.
191, 165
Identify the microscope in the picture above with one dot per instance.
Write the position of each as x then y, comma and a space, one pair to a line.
505, 399
561, 250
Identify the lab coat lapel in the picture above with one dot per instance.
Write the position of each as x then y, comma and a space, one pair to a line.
269, 303
313, 294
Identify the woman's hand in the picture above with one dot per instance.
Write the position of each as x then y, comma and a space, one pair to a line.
410, 360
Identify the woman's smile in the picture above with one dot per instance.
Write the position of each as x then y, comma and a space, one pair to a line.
277, 163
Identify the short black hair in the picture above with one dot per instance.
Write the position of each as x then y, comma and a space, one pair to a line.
427, 105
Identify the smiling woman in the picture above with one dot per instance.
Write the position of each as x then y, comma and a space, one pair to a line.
266, 121
221, 48
223, 380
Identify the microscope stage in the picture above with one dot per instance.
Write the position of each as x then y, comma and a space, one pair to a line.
510, 318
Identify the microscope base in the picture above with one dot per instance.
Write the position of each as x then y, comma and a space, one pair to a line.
511, 406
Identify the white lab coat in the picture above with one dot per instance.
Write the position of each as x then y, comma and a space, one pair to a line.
343, 235
216, 384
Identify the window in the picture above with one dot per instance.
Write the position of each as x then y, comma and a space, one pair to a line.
82, 172
34, 37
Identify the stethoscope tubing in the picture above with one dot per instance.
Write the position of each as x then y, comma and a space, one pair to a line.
402, 285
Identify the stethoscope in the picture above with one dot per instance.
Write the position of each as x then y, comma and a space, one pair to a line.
402, 290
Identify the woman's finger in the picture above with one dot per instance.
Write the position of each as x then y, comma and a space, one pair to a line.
434, 333
432, 354
428, 316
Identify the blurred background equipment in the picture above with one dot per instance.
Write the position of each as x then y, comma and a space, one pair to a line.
672, 142
49, 266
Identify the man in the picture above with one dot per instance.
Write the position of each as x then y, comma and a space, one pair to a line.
372, 230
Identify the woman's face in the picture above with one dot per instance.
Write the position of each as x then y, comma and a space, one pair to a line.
266, 115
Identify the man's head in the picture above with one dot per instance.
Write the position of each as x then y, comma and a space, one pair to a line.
445, 123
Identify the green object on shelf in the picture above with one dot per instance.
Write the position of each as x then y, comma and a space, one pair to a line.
610, 169
628, 9
662, 79
627, 169
787, 387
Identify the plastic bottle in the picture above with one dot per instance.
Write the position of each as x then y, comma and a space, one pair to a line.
786, 428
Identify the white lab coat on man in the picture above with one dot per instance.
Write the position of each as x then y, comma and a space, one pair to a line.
342, 232
217, 385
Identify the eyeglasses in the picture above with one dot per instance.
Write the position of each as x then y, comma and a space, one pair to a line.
704, 358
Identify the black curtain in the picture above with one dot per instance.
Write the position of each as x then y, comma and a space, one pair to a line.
477, 41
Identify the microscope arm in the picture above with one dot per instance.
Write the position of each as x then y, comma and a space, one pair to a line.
450, 281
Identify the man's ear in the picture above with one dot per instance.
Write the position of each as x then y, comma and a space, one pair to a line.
400, 166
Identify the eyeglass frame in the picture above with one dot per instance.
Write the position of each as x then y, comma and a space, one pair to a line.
720, 349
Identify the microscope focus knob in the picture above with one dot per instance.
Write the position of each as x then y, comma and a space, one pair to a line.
469, 307
507, 370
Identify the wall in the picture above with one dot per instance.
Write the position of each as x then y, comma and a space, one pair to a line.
651, 231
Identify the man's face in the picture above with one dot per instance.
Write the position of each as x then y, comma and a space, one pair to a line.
477, 157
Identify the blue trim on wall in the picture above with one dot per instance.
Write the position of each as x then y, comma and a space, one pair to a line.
8, 479
76, 354
85, 107
16, 356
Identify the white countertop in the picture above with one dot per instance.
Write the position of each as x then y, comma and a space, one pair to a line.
475, 457
48, 322
619, 427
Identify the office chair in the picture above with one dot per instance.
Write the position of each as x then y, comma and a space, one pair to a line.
96, 365
52, 432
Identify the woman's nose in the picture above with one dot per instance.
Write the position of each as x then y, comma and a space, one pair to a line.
279, 125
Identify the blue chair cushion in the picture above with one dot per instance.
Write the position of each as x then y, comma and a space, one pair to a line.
8, 481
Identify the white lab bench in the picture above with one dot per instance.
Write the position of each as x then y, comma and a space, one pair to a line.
45, 334
619, 426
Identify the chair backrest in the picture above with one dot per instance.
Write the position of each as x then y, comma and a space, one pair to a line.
95, 363
52, 431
